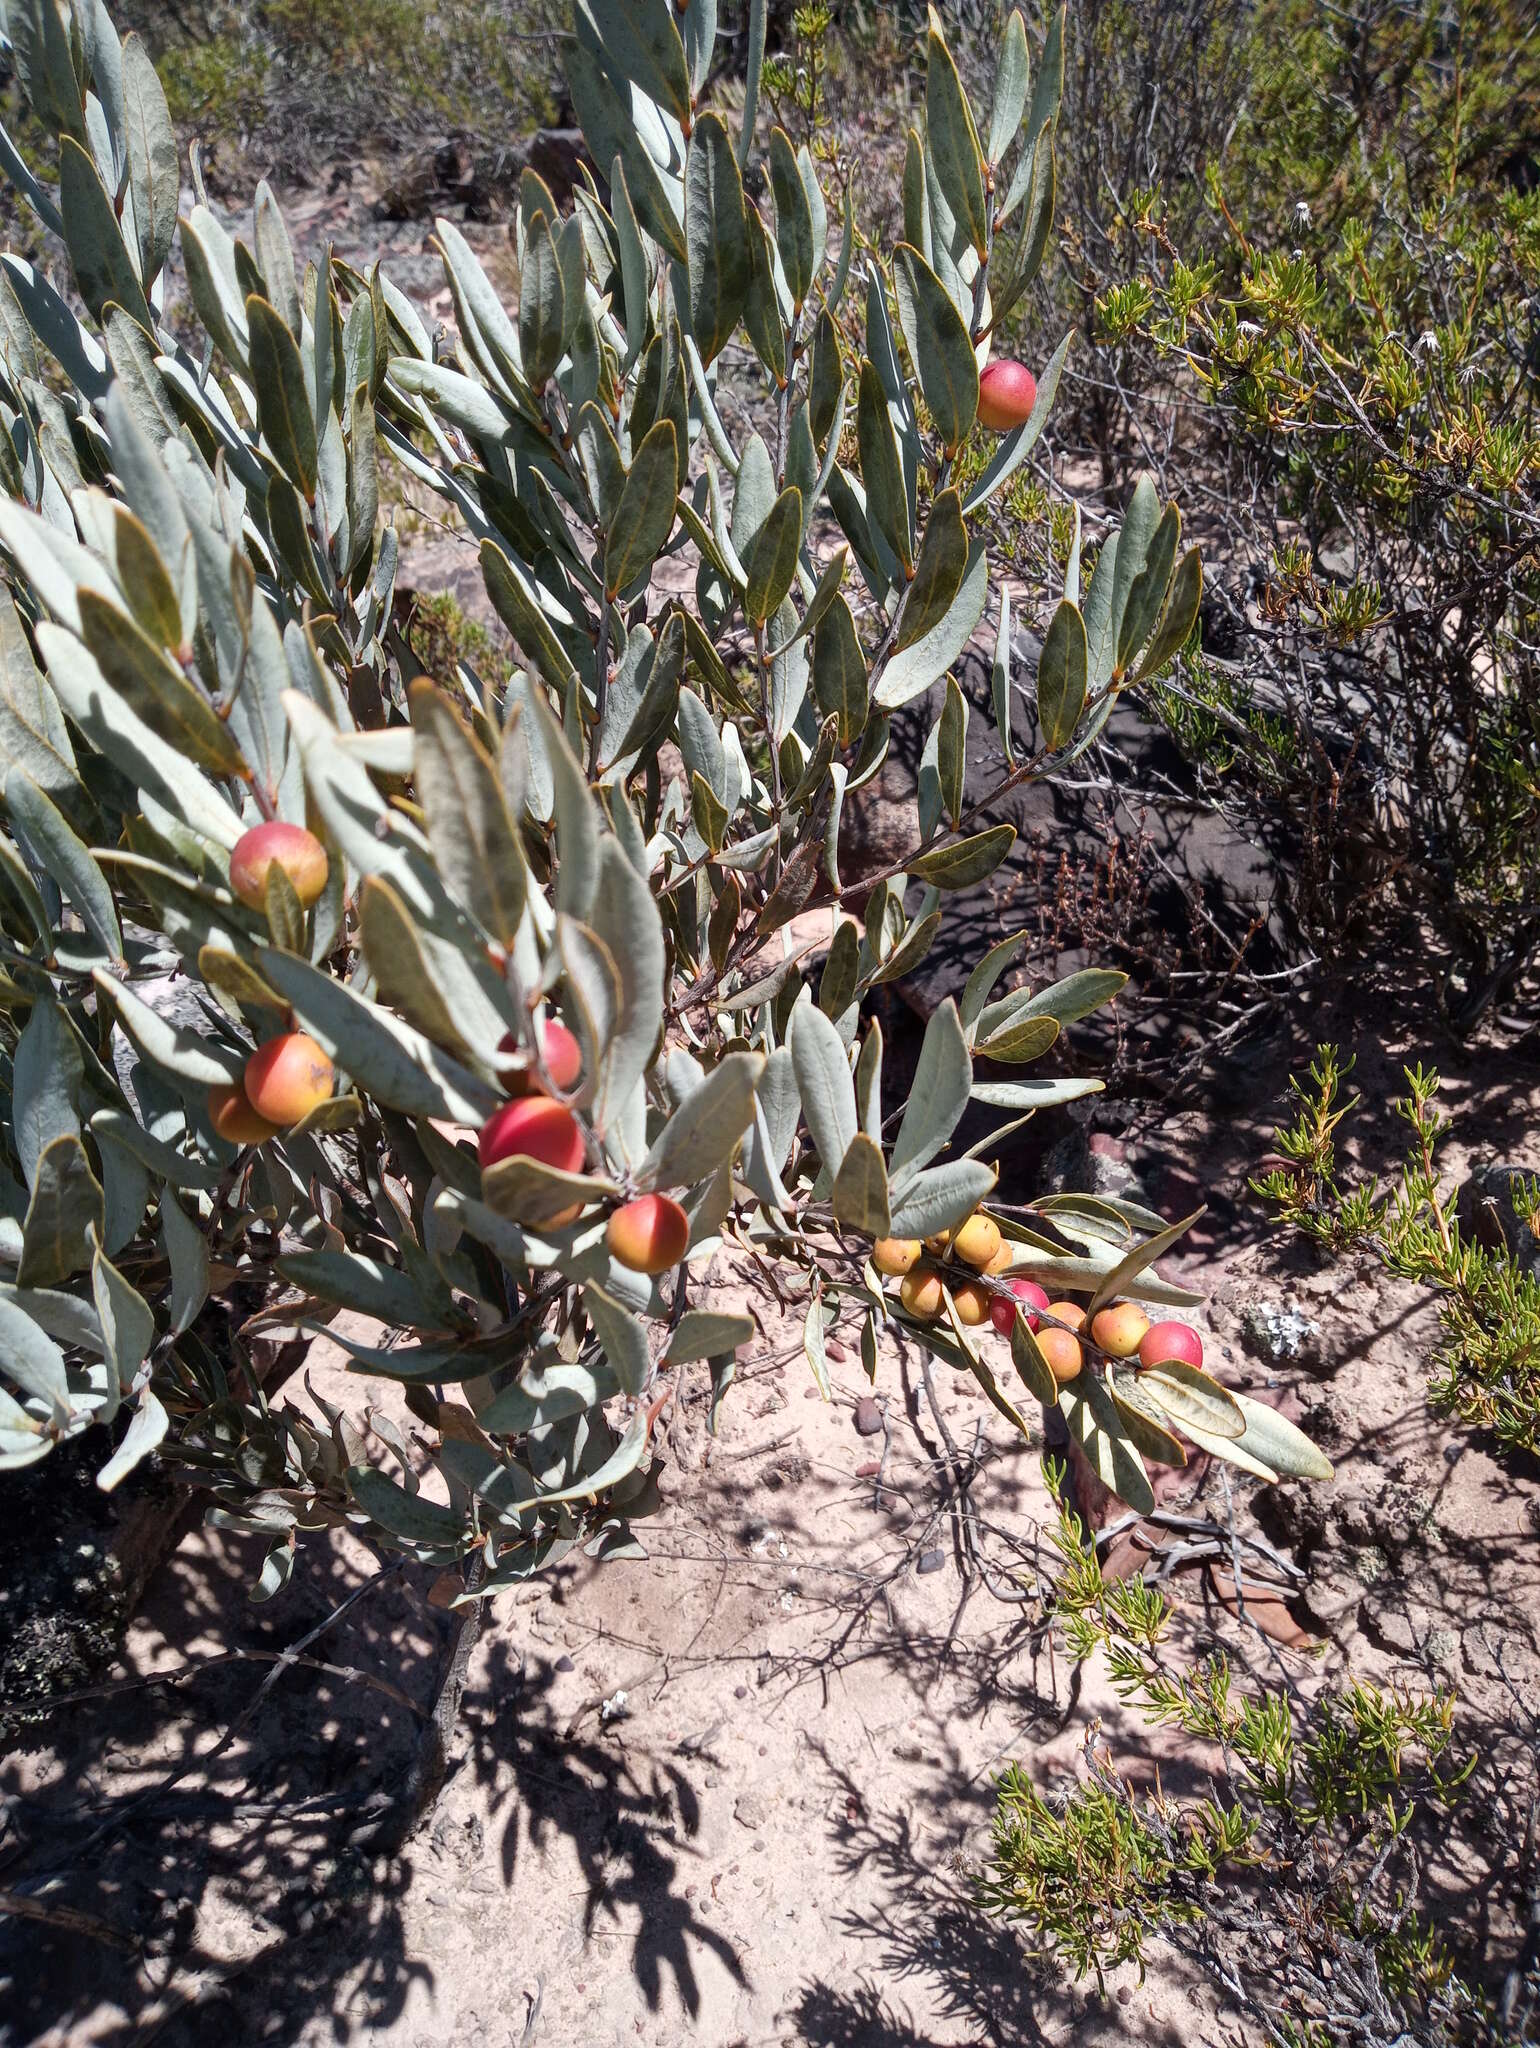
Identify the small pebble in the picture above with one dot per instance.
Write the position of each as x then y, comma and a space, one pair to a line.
870, 1469
565, 1664
836, 1350
931, 1561
867, 1417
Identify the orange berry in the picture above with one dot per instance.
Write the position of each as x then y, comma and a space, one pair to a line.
894, 1256
937, 1244
650, 1235
1062, 1352
1007, 394
231, 1114
1002, 1258
920, 1292
977, 1242
972, 1303
1118, 1329
298, 852
1067, 1312
288, 1077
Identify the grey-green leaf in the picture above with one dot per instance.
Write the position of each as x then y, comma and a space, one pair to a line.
474, 840
1061, 676
1121, 1279
939, 1095
861, 1188
967, 861
1179, 617
707, 1333
152, 158
953, 139
793, 216
822, 1067
645, 515
702, 1133
772, 558
622, 1338
916, 668
1094, 1421
1012, 79
1194, 1400
64, 1216
839, 671
104, 270
716, 236
938, 574
1274, 1440
941, 1197
283, 397
66, 858
882, 471
542, 305
939, 346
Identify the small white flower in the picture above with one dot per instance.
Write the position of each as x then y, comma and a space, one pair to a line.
1301, 215
1249, 328
1427, 342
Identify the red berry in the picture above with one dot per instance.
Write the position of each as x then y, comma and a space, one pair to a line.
1163, 1341
1007, 394
1003, 1313
298, 852
533, 1127
562, 1053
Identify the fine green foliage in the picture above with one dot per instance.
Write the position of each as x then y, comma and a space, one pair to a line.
1342, 280
611, 831
252, 70
1487, 1369
1292, 1884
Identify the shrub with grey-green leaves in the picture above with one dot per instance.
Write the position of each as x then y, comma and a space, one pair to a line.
637, 839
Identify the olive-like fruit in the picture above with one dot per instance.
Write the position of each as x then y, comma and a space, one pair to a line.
977, 1242
533, 1127
1007, 394
650, 1235
1004, 1311
231, 1114
893, 1256
1163, 1341
972, 1303
920, 1292
298, 852
1118, 1330
1063, 1353
559, 1049
287, 1078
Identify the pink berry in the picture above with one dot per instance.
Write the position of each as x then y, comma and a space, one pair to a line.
1164, 1341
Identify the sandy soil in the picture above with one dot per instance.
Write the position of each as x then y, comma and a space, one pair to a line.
732, 1795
